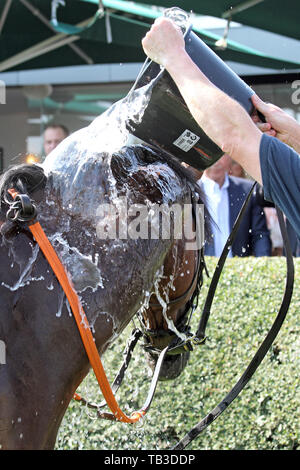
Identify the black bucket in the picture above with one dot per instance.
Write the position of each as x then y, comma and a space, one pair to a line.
167, 122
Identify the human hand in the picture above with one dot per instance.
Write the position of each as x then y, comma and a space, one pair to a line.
163, 42
278, 123
264, 127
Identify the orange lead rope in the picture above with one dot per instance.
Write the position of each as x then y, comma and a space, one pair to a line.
82, 323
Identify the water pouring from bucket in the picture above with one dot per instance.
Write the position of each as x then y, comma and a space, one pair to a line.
166, 121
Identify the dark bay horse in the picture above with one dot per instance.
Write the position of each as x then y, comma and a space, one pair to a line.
114, 277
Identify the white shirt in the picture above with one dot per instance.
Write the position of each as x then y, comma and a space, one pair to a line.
218, 207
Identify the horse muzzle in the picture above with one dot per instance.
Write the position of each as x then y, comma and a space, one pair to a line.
173, 364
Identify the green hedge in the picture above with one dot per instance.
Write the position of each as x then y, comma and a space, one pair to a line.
266, 415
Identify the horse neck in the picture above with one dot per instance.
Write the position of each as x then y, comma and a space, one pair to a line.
45, 360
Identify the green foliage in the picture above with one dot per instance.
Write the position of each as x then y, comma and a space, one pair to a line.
266, 413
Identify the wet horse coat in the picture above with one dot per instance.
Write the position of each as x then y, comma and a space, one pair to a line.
45, 359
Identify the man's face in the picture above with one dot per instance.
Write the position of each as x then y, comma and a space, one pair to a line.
53, 137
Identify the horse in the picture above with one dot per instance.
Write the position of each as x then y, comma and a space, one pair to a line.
114, 277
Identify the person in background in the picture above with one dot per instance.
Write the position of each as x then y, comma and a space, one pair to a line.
275, 232
54, 134
294, 239
235, 169
272, 221
225, 196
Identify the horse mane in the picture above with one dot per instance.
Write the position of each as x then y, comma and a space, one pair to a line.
149, 154
28, 178
24, 178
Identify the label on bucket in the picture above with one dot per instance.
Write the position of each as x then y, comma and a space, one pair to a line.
186, 140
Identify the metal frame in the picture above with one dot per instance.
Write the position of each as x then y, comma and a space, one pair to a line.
241, 7
56, 41
5, 13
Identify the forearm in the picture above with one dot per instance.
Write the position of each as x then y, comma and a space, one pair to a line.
294, 140
204, 100
221, 118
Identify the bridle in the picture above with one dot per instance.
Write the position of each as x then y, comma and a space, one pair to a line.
22, 210
177, 346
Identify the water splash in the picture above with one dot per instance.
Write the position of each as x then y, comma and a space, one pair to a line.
83, 271
25, 276
164, 303
108, 133
83, 160
61, 297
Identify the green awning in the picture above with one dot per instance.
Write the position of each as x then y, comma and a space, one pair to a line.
234, 52
276, 16
28, 39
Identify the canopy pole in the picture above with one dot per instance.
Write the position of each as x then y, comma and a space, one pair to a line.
43, 19
29, 54
51, 43
222, 42
39, 49
4, 13
241, 7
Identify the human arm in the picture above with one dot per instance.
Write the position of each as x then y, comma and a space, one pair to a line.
279, 124
221, 117
280, 166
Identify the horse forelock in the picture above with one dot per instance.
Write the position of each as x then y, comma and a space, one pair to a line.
147, 154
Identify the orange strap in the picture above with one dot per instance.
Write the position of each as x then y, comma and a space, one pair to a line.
82, 322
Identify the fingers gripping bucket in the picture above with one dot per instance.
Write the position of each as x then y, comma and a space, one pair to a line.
167, 122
